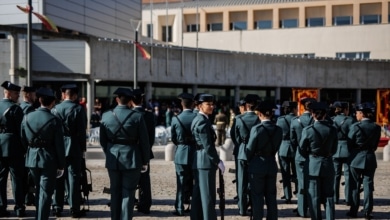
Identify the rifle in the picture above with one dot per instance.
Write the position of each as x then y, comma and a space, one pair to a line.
221, 193
85, 186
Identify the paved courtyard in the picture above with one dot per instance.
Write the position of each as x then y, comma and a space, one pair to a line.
164, 188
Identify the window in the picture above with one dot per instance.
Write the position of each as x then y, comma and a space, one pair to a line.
303, 55
354, 55
165, 35
370, 19
288, 23
263, 24
238, 25
214, 27
342, 20
315, 22
192, 28
149, 28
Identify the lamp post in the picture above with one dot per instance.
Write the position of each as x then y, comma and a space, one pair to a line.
29, 43
135, 24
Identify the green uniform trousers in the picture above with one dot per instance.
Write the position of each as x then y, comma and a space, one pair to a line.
45, 180
183, 185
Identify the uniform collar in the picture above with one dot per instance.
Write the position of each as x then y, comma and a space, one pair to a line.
204, 114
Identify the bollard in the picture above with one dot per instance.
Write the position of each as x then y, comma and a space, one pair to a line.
170, 152
226, 151
386, 152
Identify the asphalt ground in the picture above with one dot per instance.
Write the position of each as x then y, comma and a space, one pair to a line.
164, 189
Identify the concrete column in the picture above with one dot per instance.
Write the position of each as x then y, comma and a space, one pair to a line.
275, 18
385, 11
14, 56
194, 89
319, 95
225, 21
302, 16
358, 96
277, 94
236, 95
202, 21
356, 13
250, 21
90, 100
148, 91
328, 15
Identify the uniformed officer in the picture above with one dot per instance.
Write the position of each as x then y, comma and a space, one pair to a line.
287, 151
144, 191
264, 142
221, 121
364, 137
318, 143
124, 139
181, 136
342, 122
206, 161
29, 97
11, 149
242, 128
196, 98
73, 117
43, 135
297, 125
241, 107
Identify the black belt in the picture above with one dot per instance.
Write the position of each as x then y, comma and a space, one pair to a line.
199, 147
317, 155
261, 154
124, 142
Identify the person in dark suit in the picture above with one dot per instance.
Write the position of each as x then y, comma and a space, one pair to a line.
263, 144
185, 148
11, 150
318, 143
286, 151
27, 105
242, 128
363, 137
74, 121
206, 161
297, 125
342, 122
42, 135
124, 139
145, 188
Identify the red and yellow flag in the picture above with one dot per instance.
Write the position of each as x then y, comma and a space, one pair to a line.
44, 19
144, 53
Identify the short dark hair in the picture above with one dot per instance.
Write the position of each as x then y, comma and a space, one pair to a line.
187, 103
46, 100
123, 100
319, 114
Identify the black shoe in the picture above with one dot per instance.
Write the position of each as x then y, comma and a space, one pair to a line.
288, 201
177, 213
351, 215
295, 210
57, 212
235, 198
144, 211
78, 214
20, 213
4, 213
283, 197
368, 216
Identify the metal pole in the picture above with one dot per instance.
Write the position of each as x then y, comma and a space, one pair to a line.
29, 44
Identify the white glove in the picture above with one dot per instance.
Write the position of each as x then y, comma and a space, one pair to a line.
144, 168
221, 166
60, 173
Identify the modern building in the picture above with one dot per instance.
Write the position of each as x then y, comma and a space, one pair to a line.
309, 28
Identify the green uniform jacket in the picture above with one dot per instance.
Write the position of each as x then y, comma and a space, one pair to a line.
49, 129
182, 137
74, 120
150, 122
319, 143
206, 157
286, 148
263, 144
26, 107
364, 137
342, 124
129, 148
11, 117
297, 125
243, 128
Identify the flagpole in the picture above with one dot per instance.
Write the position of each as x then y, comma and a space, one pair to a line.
29, 43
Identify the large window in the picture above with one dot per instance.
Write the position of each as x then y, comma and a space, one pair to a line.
149, 28
288, 23
214, 27
167, 36
192, 28
238, 25
342, 20
315, 22
370, 19
354, 55
263, 24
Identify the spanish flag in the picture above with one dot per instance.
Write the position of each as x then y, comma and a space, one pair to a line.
144, 53
44, 19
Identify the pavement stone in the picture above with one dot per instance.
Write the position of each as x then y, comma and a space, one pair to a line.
164, 189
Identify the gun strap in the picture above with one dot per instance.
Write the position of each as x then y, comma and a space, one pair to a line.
339, 127
64, 119
247, 128
121, 124
183, 127
368, 138
287, 137
270, 137
36, 133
